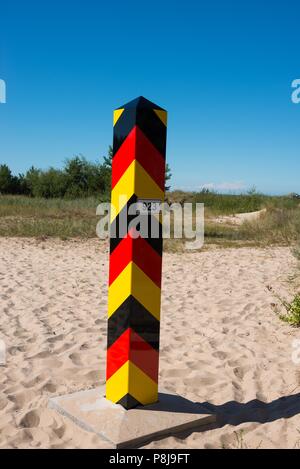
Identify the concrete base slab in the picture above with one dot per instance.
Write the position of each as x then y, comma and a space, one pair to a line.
135, 427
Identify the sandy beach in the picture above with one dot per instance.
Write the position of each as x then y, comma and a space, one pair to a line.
221, 342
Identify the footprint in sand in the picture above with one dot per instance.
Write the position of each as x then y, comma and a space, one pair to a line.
60, 431
22, 398
76, 359
49, 387
30, 420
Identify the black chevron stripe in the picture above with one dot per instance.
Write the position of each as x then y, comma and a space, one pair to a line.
133, 314
155, 243
123, 127
128, 402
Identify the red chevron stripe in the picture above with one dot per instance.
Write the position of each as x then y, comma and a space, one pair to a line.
150, 158
141, 253
147, 259
130, 346
138, 146
144, 356
120, 258
118, 354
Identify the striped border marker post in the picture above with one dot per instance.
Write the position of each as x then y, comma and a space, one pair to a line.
138, 174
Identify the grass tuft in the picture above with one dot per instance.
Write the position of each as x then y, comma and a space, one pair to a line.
292, 315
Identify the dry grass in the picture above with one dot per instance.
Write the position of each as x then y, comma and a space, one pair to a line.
276, 226
34, 217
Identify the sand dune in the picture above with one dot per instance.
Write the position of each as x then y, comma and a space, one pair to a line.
221, 343
239, 218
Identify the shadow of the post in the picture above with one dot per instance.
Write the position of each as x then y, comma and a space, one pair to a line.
230, 413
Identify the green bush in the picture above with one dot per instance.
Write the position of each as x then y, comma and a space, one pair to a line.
78, 178
292, 315
85, 179
50, 184
9, 184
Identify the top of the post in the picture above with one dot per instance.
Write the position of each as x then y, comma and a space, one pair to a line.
141, 103
147, 117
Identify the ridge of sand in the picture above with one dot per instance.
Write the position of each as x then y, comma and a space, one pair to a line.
239, 218
221, 343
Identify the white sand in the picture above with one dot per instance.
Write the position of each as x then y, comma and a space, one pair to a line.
239, 218
221, 342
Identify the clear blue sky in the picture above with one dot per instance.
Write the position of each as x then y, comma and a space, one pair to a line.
222, 69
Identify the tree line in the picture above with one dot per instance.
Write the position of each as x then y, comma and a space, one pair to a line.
78, 178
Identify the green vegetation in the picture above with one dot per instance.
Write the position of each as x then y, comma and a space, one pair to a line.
278, 224
78, 178
229, 204
56, 202
292, 309
62, 202
292, 315
76, 217
36, 217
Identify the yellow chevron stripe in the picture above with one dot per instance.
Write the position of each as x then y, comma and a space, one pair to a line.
145, 187
141, 387
122, 191
119, 290
133, 281
130, 379
145, 291
117, 115
117, 386
162, 115
137, 181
